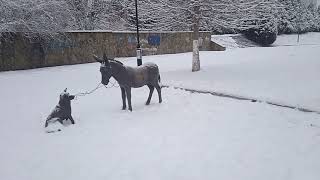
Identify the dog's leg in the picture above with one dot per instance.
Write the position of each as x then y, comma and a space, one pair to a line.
51, 120
71, 119
60, 120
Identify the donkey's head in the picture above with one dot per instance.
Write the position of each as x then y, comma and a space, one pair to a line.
105, 69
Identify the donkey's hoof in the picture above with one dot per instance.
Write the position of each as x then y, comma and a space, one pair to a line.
130, 109
124, 108
147, 103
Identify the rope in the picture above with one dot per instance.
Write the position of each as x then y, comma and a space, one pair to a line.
114, 84
88, 92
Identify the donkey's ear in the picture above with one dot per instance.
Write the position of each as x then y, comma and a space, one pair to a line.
105, 57
97, 59
65, 90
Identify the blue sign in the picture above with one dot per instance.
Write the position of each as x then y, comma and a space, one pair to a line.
154, 40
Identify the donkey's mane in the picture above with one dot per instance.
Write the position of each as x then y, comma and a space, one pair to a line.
116, 61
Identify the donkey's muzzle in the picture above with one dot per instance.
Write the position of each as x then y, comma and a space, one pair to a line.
105, 82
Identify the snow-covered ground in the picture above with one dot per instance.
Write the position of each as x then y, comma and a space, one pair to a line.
288, 74
231, 41
188, 136
312, 38
226, 40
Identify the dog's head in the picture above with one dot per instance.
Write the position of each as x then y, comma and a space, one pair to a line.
65, 97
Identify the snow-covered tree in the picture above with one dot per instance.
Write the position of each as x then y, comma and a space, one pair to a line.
215, 15
105, 14
81, 9
208, 14
35, 17
318, 18
297, 17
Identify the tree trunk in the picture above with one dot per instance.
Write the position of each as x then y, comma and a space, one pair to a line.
89, 16
195, 56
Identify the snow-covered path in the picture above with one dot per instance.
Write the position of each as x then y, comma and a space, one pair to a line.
188, 136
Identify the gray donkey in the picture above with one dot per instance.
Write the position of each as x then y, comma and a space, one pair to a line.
62, 111
130, 77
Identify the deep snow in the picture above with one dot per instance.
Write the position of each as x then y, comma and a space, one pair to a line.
188, 136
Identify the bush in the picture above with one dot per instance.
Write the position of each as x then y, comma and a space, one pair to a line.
263, 37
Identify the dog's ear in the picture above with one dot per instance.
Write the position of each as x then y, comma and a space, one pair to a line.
97, 59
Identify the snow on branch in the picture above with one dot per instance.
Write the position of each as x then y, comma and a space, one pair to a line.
35, 16
43, 16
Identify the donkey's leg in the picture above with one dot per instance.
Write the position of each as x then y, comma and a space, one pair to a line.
159, 92
150, 94
123, 94
128, 93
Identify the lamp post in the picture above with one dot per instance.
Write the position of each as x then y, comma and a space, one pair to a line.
139, 51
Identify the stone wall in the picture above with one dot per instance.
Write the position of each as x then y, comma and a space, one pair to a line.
17, 52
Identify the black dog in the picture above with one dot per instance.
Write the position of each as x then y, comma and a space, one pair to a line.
63, 110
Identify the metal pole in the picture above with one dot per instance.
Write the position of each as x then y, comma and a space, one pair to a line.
139, 51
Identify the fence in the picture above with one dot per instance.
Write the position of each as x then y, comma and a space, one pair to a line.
77, 47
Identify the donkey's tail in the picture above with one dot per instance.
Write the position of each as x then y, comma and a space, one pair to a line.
159, 79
